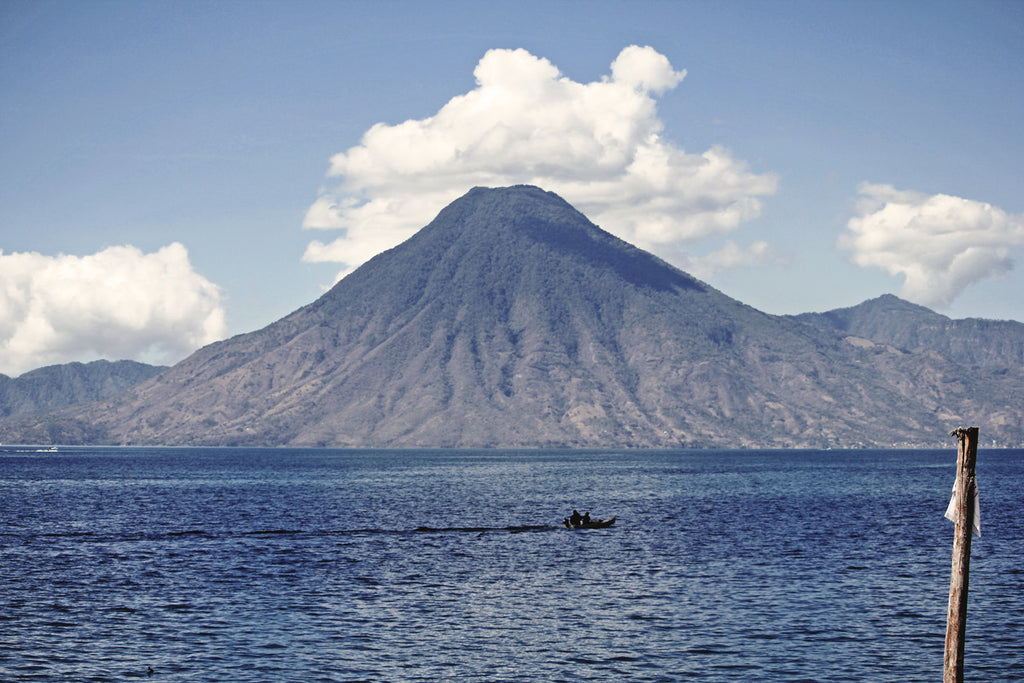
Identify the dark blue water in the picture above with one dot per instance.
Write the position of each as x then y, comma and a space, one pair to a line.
283, 565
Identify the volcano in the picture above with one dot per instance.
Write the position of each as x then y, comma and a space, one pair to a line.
513, 321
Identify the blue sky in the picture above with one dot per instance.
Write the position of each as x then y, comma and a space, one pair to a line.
159, 161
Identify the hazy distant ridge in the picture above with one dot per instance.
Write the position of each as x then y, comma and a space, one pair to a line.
58, 386
891, 320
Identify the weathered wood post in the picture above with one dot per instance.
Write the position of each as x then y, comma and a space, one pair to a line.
964, 492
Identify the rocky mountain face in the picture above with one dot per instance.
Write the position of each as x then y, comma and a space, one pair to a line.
891, 320
58, 386
513, 321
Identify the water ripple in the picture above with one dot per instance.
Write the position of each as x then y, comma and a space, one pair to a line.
256, 566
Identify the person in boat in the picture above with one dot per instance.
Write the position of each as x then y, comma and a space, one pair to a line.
578, 521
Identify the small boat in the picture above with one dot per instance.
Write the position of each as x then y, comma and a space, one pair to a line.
589, 523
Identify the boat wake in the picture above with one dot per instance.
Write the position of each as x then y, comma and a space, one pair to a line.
481, 529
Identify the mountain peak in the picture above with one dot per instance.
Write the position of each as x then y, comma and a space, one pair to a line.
506, 208
890, 303
505, 239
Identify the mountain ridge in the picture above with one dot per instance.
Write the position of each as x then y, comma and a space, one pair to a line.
54, 387
511, 320
891, 320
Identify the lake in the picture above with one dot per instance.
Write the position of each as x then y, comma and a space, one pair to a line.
374, 565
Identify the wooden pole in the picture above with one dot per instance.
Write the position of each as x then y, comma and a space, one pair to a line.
964, 490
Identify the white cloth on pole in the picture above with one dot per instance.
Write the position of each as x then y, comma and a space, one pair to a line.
951, 508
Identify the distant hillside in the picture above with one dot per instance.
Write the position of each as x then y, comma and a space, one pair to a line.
58, 386
513, 321
891, 320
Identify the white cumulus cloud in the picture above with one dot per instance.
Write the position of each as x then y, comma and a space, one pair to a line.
599, 145
939, 243
118, 303
731, 255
